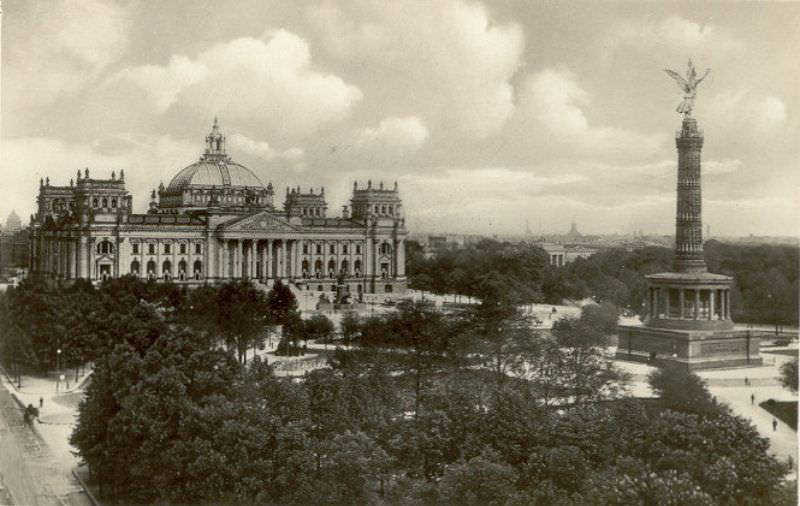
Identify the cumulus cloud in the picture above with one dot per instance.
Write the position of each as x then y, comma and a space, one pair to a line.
456, 59
394, 133
264, 151
270, 81
75, 42
554, 98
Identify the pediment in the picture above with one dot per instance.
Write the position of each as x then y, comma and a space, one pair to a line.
260, 222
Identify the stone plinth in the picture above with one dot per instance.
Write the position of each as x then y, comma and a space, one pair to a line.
696, 349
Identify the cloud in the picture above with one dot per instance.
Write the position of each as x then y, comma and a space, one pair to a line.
673, 32
554, 98
762, 113
721, 167
75, 42
394, 133
269, 81
263, 150
32, 158
448, 57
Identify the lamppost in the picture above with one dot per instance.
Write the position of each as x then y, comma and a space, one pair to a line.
58, 368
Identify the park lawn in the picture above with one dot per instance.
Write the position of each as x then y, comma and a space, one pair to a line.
785, 411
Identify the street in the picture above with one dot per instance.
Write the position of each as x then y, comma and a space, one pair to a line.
28, 473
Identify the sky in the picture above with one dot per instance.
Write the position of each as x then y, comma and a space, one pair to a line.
490, 115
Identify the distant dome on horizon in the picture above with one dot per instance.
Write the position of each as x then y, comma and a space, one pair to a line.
13, 222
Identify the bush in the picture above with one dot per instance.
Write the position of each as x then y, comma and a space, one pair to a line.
288, 348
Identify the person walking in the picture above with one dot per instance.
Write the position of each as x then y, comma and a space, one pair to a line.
752, 398
774, 425
41, 402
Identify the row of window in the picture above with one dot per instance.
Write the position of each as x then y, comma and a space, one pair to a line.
311, 211
167, 248
166, 270
331, 249
359, 288
103, 202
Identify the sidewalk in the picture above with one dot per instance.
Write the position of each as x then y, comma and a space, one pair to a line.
57, 417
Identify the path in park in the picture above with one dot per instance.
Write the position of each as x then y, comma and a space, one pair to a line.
29, 471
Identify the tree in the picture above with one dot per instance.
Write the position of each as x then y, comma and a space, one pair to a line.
788, 377
319, 327
282, 303
480, 481
682, 390
242, 315
589, 374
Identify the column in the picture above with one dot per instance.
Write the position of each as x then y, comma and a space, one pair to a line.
711, 307
297, 269
697, 304
283, 258
727, 304
666, 302
251, 260
681, 302
90, 253
222, 272
237, 263
401, 258
269, 259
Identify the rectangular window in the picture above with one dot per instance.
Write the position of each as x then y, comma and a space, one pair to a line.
183, 249
344, 249
305, 249
151, 249
319, 249
135, 249
198, 248
332, 249
166, 249
358, 249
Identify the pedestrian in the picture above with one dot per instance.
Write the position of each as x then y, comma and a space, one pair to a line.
746, 381
41, 402
752, 398
790, 461
774, 425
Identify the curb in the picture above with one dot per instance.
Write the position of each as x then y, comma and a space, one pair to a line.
85, 487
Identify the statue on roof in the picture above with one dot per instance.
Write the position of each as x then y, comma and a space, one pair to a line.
689, 87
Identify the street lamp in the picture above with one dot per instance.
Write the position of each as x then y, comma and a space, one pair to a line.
58, 368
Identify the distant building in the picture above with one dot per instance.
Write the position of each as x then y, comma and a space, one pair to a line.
215, 222
561, 255
13, 223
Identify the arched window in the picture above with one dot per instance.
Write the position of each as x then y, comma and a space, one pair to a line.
166, 270
385, 270
345, 267
114, 203
94, 202
357, 267
105, 247
386, 249
304, 268
198, 269
331, 268
135, 268
182, 269
387, 288
383, 209
105, 202
391, 209
151, 270
318, 268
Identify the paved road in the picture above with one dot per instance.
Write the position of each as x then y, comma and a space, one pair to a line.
27, 472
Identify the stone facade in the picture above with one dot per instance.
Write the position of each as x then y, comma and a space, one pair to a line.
216, 222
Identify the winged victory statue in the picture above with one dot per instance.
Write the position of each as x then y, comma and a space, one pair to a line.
689, 87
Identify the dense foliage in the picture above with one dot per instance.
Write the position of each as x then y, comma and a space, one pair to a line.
765, 291
414, 413
84, 322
